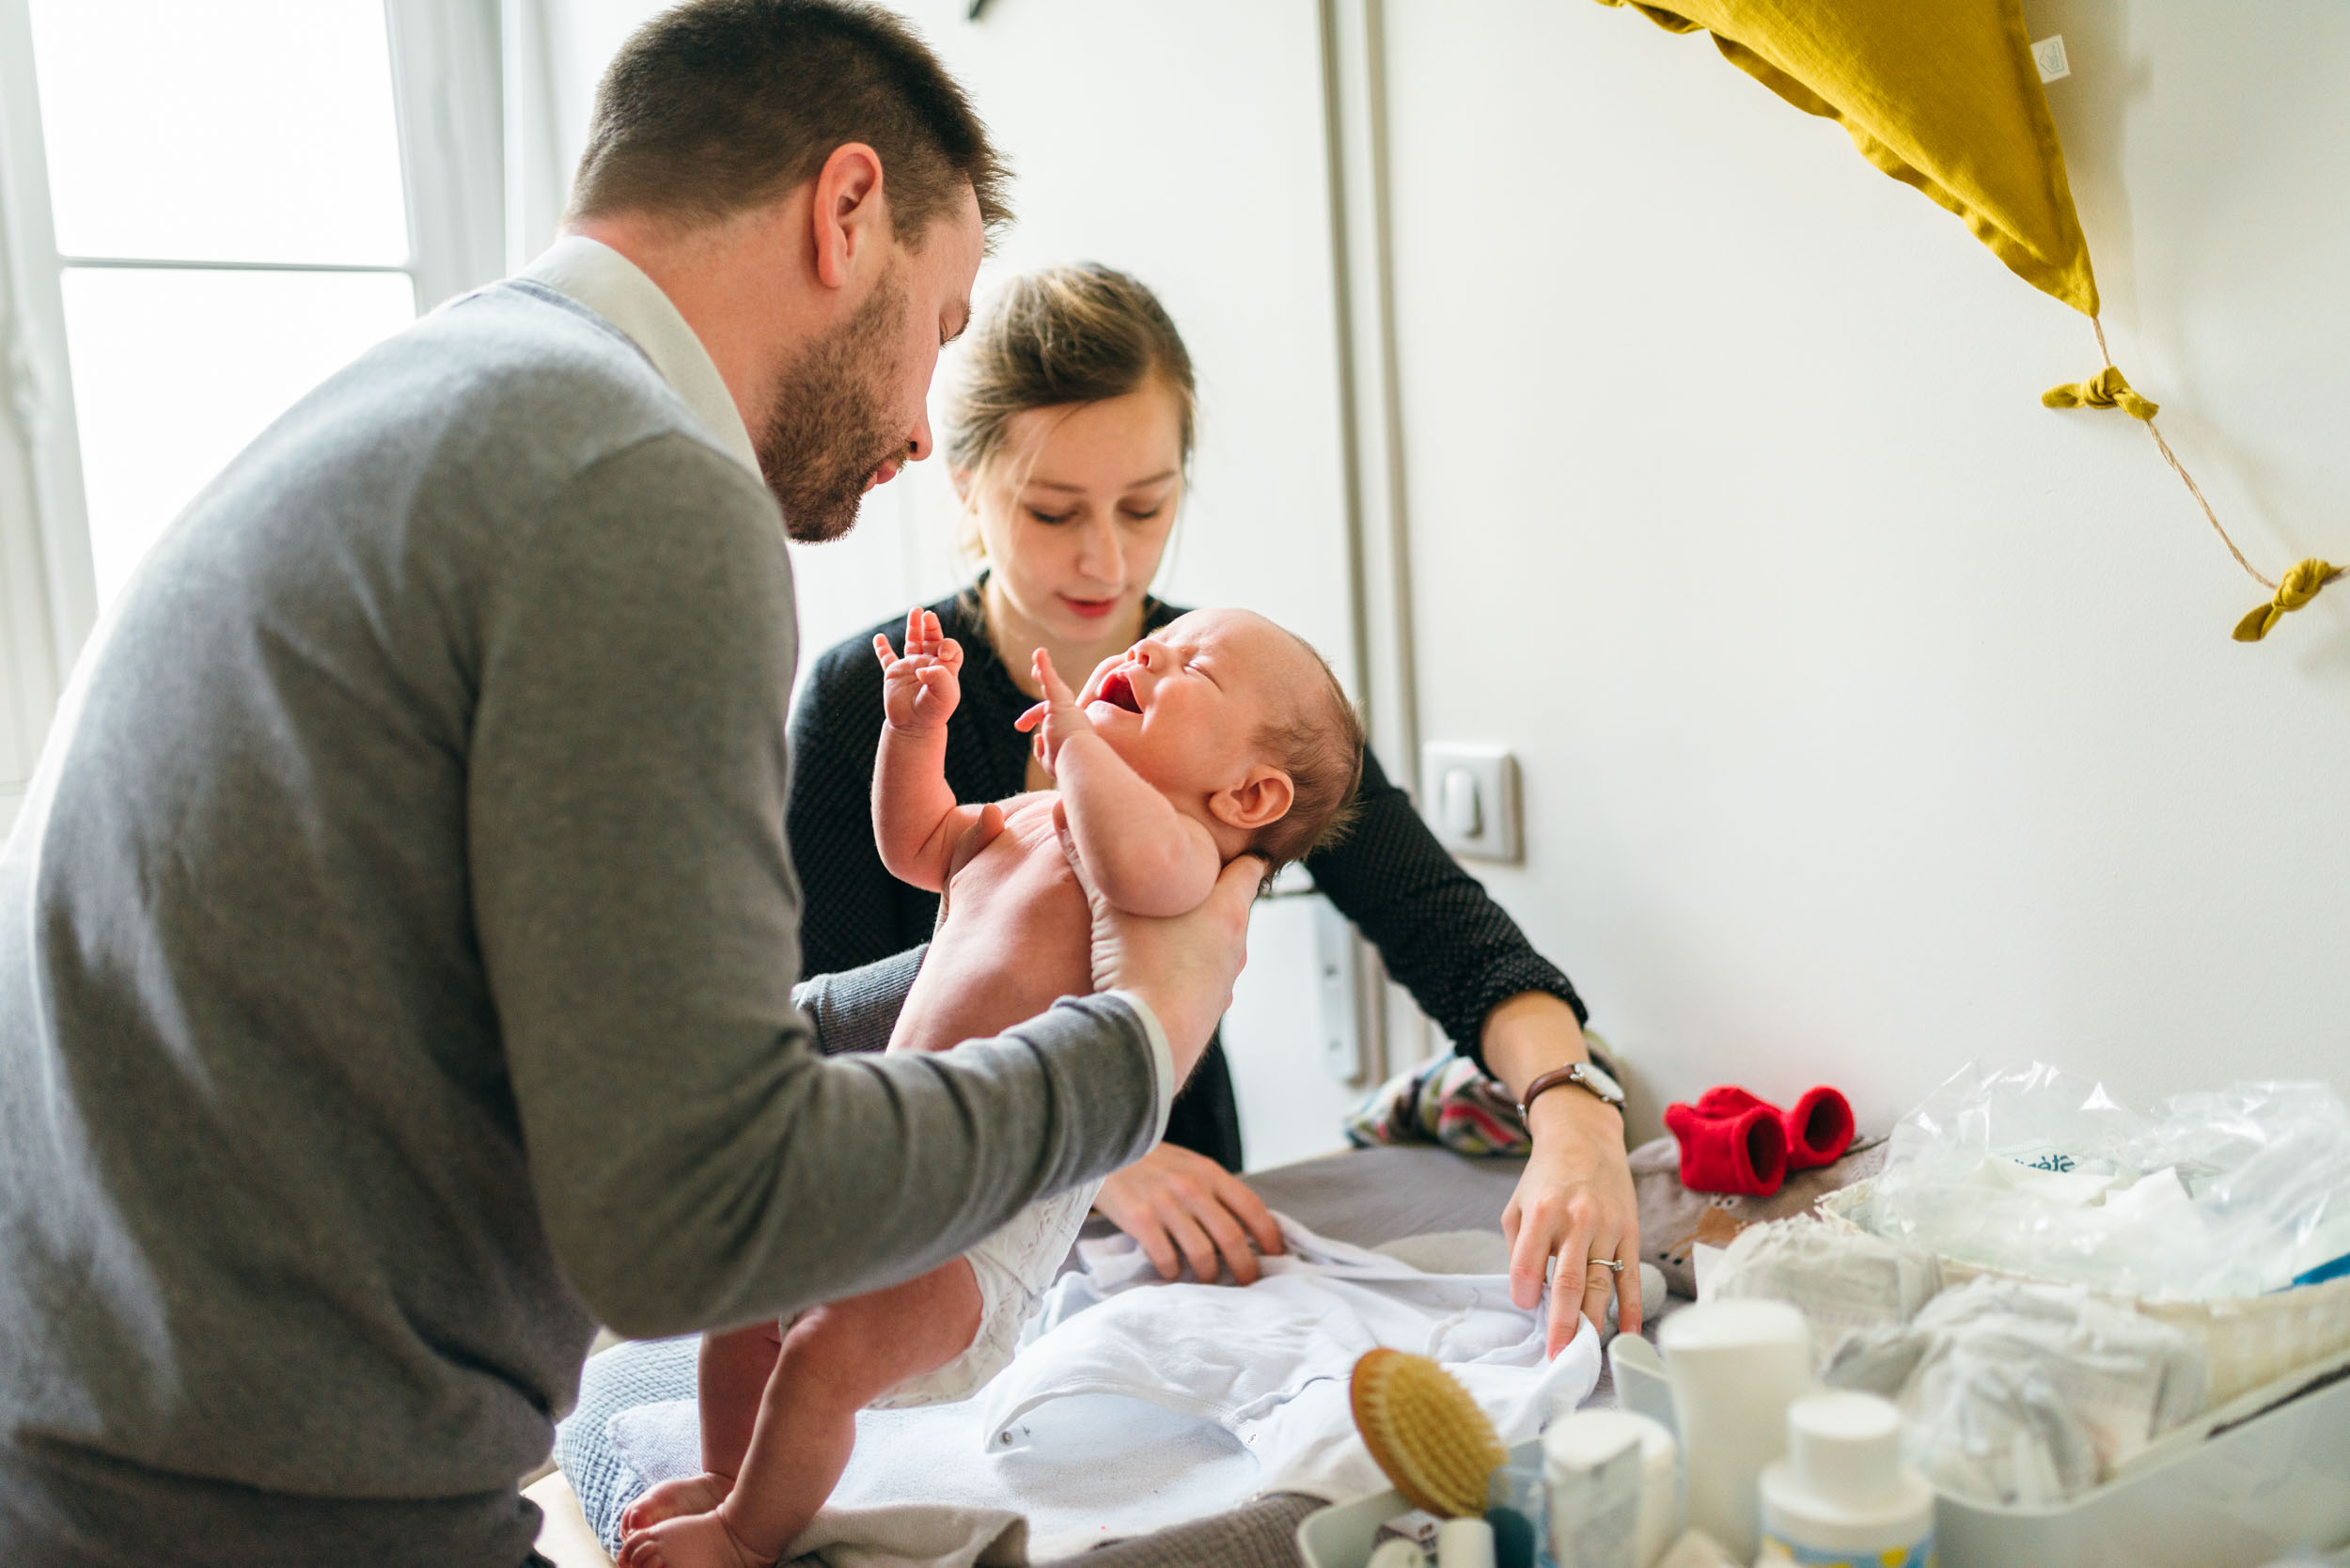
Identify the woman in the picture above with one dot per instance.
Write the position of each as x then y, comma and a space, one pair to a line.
1070, 437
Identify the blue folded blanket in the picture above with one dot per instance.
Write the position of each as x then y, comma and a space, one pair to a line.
627, 1376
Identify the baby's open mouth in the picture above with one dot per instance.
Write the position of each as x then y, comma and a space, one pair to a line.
1117, 691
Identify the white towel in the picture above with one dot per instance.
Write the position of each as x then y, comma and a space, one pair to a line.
1133, 1404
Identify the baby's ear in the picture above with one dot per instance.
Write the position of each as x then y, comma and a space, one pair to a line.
1259, 800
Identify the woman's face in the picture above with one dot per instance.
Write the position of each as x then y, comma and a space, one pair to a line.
1076, 510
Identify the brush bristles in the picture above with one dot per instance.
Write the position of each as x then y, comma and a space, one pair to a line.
1426, 1432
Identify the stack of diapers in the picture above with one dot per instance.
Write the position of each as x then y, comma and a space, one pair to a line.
2019, 1394
1842, 1281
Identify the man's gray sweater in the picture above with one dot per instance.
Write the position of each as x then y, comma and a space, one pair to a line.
396, 951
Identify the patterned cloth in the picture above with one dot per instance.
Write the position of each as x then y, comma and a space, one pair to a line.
1451, 1100
1447, 1101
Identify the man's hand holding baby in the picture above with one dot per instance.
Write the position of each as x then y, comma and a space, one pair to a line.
1182, 966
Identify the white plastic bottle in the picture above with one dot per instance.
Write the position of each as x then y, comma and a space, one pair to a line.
1605, 1505
1842, 1497
1736, 1367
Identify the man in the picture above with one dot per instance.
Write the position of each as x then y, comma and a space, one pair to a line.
397, 943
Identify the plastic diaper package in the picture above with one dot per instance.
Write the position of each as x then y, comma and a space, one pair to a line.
1841, 1279
2024, 1395
2232, 1192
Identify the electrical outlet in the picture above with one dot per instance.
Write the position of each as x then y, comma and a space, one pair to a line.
1469, 794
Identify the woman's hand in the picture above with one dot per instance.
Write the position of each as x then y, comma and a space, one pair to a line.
1185, 1208
1575, 1202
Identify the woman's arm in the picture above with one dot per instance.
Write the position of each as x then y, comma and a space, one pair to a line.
1471, 969
1575, 1200
1440, 932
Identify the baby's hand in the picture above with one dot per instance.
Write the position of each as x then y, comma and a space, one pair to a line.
1055, 718
919, 692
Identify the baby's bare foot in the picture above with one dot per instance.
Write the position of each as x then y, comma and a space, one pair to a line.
700, 1494
689, 1541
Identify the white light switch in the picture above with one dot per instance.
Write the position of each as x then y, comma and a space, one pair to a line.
1456, 803
1471, 797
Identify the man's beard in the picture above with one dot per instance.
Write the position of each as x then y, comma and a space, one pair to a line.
828, 431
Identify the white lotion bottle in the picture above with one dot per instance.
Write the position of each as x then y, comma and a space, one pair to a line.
1581, 1481
1842, 1494
1736, 1367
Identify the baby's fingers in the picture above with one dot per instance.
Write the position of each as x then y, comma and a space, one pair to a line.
1033, 717
881, 650
1056, 690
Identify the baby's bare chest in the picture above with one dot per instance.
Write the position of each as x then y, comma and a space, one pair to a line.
1023, 875
1016, 936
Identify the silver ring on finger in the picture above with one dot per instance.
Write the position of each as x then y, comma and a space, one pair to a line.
1614, 1265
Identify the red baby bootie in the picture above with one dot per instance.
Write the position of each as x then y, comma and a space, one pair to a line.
1818, 1129
1742, 1151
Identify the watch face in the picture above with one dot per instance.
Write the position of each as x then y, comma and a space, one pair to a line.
1596, 1079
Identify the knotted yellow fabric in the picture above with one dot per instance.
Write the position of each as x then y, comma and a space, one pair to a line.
2299, 587
2106, 390
1945, 95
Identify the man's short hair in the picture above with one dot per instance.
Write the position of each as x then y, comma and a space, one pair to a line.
719, 105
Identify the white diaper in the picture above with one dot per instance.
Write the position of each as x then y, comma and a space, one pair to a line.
1014, 1266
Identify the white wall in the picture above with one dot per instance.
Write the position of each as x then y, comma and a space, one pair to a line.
1873, 717
1183, 144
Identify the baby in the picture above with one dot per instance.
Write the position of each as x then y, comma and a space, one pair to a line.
1222, 735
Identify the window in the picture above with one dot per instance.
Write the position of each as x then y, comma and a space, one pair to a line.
208, 209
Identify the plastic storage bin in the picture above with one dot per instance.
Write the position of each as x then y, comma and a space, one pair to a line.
2237, 1488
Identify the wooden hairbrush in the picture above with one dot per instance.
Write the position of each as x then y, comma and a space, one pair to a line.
1426, 1432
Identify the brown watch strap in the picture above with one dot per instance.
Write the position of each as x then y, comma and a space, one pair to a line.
1551, 1080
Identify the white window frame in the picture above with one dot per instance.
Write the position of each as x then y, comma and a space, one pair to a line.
446, 97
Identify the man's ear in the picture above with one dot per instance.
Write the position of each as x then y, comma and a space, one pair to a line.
1262, 798
849, 215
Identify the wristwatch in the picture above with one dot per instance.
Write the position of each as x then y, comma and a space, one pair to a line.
1591, 1080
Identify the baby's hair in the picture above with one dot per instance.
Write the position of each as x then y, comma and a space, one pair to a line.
1321, 748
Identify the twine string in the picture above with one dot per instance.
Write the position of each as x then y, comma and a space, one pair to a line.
2189, 479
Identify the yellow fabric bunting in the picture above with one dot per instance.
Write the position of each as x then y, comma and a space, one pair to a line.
2106, 390
2299, 587
1942, 95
